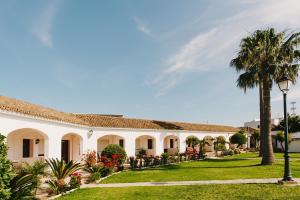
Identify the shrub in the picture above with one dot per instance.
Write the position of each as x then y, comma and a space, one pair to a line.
114, 149
131, 162
165, 157
237, 151
229, 152
181, 157
95, 176
156, 161
6, 172
142, 153
36, 169
90, 158
94, 171
220, 144
106, 171
61, 170
22, 187
75, 180
147, 161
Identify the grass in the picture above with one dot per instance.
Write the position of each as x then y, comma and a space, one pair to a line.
255, 155
208, 192
223, 169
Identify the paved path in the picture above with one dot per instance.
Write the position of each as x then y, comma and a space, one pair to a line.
173, 183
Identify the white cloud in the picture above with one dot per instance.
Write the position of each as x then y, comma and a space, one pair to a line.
142, 26
42, 27
214, 48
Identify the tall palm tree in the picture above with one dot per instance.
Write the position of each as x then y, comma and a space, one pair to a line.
263, 58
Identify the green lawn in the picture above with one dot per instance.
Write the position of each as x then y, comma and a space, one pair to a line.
255, 155
207, 192
222, 169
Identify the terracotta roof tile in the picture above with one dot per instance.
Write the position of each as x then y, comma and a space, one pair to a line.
98, 120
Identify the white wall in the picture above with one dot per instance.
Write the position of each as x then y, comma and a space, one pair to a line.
55, 131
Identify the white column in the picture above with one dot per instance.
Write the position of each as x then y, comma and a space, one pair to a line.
129, 145
159, 146
182, 145
89, 142
54, 146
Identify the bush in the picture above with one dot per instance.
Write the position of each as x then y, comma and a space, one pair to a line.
237, 151
90, 158
95, 176
106, 171
142, 153
114, 149
75, 180
21, 187
229, 152
61, 170
131, 162
6, 172
165, 157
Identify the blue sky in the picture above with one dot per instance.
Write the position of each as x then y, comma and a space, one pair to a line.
166, 60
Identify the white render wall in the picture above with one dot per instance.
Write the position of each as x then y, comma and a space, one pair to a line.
54, 131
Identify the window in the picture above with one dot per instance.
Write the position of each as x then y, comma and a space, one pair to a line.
121, 143
27, 148
171, 143
150, 144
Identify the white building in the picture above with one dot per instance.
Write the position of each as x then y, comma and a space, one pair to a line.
256, 123
34, 132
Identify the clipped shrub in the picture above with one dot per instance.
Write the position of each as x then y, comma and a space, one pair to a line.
237, 151
114, 149
131, 162
238, 138
6, 172
165, 158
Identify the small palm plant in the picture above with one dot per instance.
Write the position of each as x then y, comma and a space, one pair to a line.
21, 187
61, 170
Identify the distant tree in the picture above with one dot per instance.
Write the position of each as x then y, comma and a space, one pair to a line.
293, 123
280, 138
220, 143
192, 141
6, 171
238, 138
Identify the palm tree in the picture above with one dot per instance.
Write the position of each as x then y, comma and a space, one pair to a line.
61, 170
263, 58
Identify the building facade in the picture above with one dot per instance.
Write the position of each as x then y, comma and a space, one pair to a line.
33, 132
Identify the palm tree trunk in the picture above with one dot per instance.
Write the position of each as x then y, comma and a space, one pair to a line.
261, 124
267, 156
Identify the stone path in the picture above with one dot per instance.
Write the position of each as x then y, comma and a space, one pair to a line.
174, 183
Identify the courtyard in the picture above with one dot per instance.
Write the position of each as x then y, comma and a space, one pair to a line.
243, 166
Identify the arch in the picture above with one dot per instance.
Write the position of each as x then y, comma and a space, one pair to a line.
105, 140
71, 147
147, 143
171, 145
27, 145
209, 143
